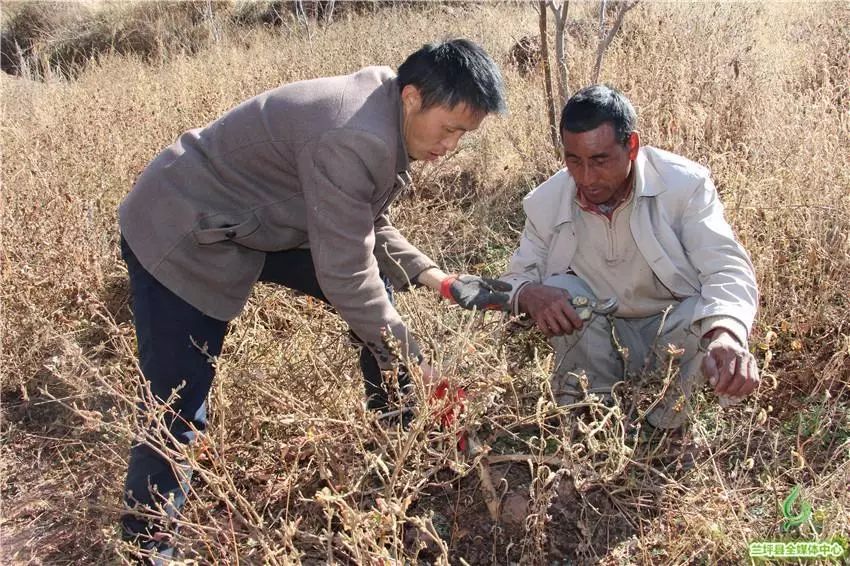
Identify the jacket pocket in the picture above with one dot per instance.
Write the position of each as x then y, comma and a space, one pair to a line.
223, 227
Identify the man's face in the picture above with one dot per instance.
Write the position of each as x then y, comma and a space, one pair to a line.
599, 163
433, 132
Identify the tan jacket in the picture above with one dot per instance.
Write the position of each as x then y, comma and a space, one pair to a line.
678, 225
310, 164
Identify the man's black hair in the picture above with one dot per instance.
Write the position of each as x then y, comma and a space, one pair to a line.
595, 105
452, 72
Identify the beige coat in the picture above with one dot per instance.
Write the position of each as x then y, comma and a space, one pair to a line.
679, 228
310, 164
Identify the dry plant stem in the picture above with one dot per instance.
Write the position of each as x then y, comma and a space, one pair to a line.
491, 497
179, 454
168, 447
555, 411
329, 544
654, 347
525, 458
669, 374
428, 528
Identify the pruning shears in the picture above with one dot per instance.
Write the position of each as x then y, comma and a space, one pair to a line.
452, 400
586, 307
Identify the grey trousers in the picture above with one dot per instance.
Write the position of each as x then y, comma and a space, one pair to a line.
644, 346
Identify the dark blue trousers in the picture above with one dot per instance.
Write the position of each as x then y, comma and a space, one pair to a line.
172, 335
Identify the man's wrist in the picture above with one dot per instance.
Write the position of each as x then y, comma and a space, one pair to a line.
519, 304
446, 286
726, 323
432, 278
718, 332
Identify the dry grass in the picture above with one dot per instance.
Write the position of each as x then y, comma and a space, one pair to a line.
293, 468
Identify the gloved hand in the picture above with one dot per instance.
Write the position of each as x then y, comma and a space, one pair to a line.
471, 291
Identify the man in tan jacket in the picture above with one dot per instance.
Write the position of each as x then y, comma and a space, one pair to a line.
293, 187
644, 227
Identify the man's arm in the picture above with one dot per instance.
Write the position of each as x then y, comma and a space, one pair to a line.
526, 263
549, 307
728, 294
337, 175
403, 263
397, 258
432, 278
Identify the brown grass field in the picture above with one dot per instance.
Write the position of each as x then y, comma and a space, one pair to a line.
293, 469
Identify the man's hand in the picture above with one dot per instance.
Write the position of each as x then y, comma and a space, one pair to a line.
550, 308
729, 367
473, 292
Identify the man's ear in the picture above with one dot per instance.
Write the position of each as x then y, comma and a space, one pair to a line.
634, 145
411, 98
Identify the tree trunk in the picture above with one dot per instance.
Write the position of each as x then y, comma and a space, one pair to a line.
602, 19
561, 52
547, 78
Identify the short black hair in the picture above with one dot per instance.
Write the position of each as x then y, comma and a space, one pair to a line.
595, 105
452, 72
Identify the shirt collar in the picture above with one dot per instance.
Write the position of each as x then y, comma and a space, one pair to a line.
606, 210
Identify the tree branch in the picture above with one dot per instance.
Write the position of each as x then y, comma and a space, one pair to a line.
606, 41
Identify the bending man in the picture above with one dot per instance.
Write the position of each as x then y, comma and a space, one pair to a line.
291, 187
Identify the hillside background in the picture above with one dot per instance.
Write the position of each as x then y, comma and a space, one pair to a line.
293, 469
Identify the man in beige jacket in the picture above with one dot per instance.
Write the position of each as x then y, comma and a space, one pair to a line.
292, 187
644, 227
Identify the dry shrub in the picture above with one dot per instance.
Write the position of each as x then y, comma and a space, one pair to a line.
63, 38
155, 30
278, 12
29, 27
270, 13
293, 469
525, 53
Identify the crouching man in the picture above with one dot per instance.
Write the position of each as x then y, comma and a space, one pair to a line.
644, 227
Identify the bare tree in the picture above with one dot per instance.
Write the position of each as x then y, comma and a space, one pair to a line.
301, 14
547, 76
329, 11
316, 11
559, 10
605, 38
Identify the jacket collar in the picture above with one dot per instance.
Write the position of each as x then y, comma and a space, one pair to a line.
647, 184
402, 159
